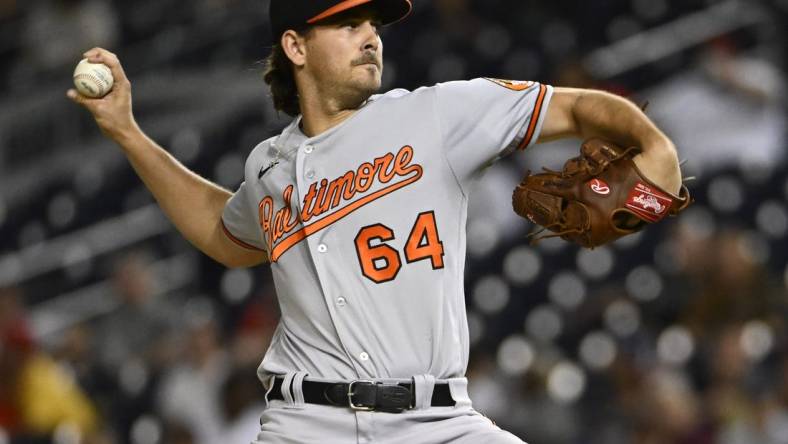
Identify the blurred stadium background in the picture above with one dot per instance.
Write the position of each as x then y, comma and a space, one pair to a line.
114, 330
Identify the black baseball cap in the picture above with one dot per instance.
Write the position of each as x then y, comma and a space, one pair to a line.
296, 14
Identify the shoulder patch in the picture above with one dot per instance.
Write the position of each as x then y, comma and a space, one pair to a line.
514, 85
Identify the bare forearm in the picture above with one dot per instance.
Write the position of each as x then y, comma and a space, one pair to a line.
596, 114
193, 204
610, 117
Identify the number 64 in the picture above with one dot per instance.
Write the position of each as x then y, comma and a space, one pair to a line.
380, 263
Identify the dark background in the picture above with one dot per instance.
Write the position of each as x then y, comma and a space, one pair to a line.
115, 330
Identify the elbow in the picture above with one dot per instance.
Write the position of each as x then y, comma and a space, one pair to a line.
245, 259
230, 263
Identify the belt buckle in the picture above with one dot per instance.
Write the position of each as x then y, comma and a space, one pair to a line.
350, 396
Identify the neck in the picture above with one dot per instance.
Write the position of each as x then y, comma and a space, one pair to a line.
317, 120
322, 111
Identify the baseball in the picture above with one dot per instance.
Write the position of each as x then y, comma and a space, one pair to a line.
92, 79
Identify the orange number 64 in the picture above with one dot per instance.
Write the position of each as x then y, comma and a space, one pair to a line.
381, 263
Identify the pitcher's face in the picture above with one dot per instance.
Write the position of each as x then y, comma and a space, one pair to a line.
344, 55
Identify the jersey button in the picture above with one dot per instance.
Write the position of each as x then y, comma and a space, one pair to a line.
322, 248
310, 174
341, 301
363, 356
308, 149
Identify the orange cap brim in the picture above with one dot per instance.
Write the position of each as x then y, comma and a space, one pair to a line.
348, 4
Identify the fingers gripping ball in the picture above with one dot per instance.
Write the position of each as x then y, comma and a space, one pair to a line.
93, 79
597, 198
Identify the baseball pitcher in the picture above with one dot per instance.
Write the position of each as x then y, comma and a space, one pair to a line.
359, 206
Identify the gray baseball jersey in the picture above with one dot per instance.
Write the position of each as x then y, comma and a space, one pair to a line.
365, 227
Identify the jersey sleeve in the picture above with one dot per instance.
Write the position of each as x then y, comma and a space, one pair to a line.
484, 119
239, 220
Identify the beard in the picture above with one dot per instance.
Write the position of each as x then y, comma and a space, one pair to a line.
361, 87
349, 84
358, 87
353, 94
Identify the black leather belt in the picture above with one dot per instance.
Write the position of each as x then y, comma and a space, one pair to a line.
366, 395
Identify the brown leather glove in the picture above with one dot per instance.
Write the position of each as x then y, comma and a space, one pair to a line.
597, 198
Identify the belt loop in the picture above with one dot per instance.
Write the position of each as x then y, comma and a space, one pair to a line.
287, 394
424, 385
269, 386
298, 389
459, 391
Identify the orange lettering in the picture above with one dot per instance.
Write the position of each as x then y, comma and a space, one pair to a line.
266, 210
323, 196
341, 187
404, 156
310, 196
320, 202
382, 164
364, 174
288, 211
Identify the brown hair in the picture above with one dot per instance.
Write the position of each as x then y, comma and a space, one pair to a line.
278, 74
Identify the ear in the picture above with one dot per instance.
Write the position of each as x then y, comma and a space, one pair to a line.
294, 46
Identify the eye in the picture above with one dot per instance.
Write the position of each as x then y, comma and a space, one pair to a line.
351, 24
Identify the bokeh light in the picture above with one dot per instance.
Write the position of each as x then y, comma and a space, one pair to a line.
491, 294
515, 355
644, 283
237, 285
522, 266
566, 382
757, 339
675, 345
482, 237
67, 433
544, 323
567, 290
622, 318
598, 350
596, 263
726, 194
772, 219
146, 429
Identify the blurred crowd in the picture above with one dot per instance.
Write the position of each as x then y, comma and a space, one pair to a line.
158, 369
674, 336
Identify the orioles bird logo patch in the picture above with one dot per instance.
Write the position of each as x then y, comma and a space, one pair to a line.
514, 85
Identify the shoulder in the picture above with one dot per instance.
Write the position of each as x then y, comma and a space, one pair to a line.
402, 95
487, 84
263, 149
260, 153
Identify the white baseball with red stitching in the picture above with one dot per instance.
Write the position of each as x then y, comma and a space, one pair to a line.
93, 79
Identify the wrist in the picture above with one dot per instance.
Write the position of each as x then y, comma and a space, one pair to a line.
661, 168
126, 136
657, 144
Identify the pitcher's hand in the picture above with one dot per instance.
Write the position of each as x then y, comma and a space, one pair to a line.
112, 112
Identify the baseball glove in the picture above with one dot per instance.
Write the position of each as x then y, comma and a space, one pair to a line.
597, 198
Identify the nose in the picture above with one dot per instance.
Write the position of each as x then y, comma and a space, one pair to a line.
371, 37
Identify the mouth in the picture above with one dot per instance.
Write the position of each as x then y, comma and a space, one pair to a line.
367, 59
